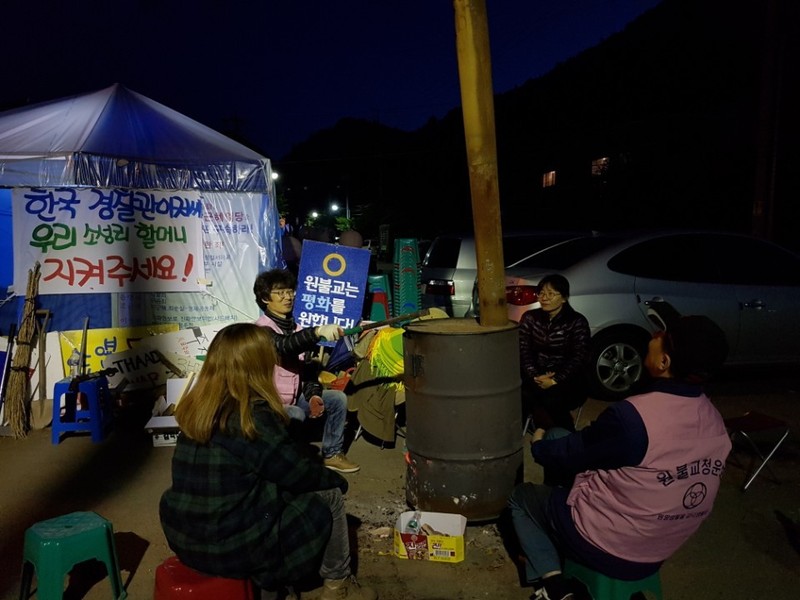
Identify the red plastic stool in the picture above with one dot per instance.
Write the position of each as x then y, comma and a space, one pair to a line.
176, 581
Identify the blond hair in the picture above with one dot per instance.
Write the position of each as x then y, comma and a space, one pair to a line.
238, 371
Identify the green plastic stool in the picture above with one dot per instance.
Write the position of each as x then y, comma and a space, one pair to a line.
55, 546
602, 587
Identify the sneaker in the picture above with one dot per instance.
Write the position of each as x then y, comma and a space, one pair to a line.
346, 589
554, 588
339, 462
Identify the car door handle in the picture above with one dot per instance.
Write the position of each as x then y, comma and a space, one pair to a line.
755, 304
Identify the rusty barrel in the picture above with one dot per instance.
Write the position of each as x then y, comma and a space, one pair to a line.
463, 416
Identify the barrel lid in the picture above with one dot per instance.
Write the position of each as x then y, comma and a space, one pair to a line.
455, 326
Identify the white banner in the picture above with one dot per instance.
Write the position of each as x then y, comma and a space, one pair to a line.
90, 240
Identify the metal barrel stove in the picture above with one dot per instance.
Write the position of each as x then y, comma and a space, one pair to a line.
463, 416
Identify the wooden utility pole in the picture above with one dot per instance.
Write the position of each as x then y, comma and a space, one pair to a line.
475, 74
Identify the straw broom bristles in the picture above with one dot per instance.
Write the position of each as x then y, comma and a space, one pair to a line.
18, 381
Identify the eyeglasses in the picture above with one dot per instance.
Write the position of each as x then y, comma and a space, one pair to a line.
284, 293
550, 294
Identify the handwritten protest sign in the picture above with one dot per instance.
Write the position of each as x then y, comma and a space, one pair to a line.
108, 240
101, 343
140, 369
157, 358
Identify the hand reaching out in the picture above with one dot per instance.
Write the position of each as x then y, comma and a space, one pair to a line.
329, 333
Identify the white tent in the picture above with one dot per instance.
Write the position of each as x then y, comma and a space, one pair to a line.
118, 138
117, 144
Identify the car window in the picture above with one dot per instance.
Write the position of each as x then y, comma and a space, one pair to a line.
566, 254
751, 261
443, 253
683, 257
709, 258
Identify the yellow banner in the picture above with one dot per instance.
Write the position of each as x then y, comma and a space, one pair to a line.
102, 342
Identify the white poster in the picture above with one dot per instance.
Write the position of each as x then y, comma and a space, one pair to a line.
238, 234
90, 240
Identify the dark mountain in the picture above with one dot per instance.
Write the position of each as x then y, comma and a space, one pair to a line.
684, 118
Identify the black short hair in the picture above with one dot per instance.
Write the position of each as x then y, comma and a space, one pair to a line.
269, 280
698, 348
558, 282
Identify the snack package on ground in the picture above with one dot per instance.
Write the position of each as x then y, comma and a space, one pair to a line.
439, 537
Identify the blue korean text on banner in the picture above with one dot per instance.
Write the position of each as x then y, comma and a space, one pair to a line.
331, 285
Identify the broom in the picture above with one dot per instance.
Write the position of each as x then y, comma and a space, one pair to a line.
18, 381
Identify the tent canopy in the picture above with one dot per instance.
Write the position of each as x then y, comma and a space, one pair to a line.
115, 137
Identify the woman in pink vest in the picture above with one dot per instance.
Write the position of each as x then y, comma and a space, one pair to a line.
296, 378
646, 472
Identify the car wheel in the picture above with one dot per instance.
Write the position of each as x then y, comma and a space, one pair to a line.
617, 362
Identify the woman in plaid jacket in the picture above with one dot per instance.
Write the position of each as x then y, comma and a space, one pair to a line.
246, 501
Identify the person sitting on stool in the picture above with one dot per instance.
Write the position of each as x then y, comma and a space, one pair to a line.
646, 472
553, 350
246, 502
296, 378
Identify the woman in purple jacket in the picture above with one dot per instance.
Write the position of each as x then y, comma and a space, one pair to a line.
646, 472
553, 350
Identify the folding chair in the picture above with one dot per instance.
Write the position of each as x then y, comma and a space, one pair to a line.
751, 423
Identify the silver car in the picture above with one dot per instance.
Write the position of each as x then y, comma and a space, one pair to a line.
451, 265
749, 287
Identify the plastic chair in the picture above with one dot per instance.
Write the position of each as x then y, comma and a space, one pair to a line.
53, 547
176, 581
751, 423
379, 307
602, 587
96, 418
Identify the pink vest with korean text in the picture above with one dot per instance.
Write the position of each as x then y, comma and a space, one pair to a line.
645, 513
287, 372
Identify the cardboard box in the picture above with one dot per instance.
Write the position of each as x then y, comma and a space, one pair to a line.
164, 430
165, 439
163, 427
448, 547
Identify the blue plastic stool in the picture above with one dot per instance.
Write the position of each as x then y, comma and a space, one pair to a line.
53, 547
602, 587
96, 418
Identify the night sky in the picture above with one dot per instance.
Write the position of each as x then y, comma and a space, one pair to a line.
276, 71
